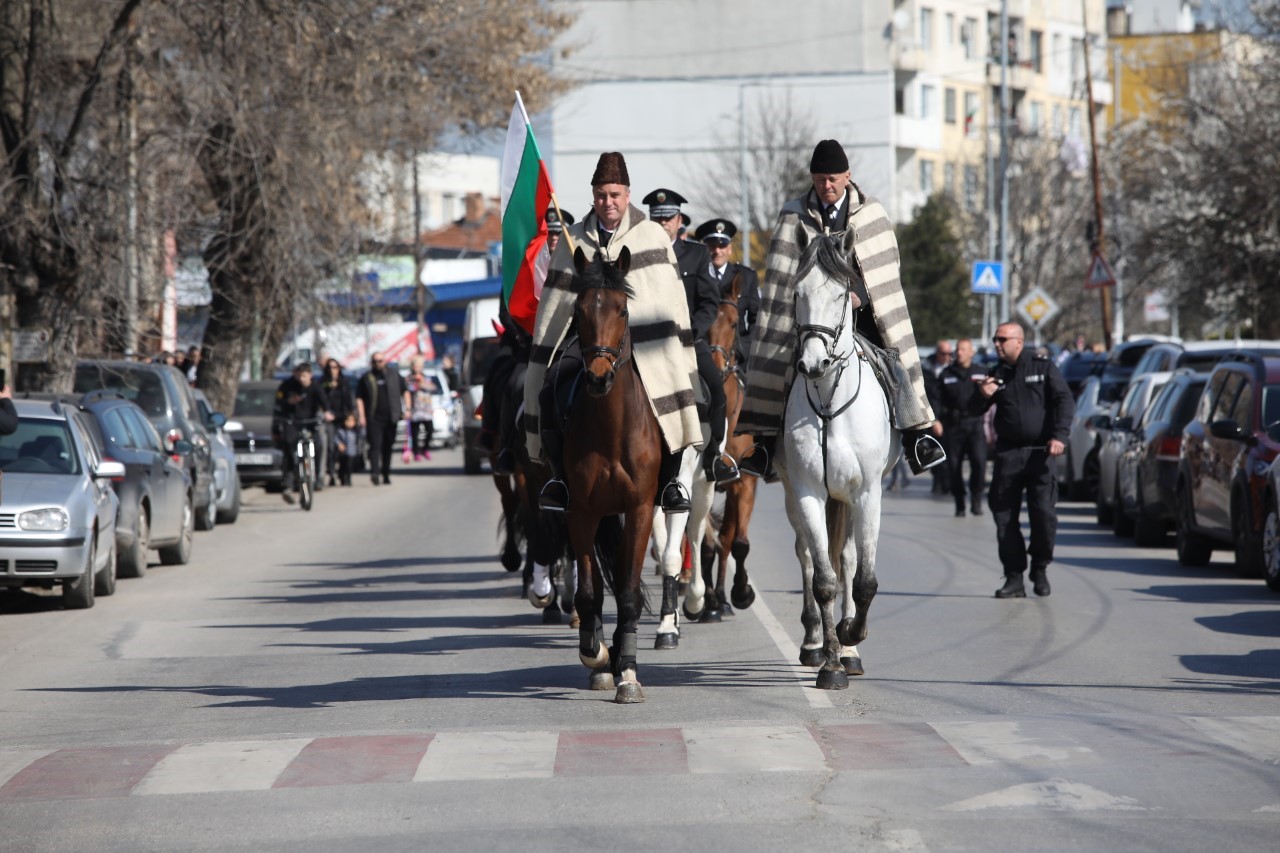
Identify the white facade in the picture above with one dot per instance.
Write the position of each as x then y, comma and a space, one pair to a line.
1155, 17
444, 181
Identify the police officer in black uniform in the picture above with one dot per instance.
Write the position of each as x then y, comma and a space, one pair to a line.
692, 260
718, 236
1033, 417
962, 431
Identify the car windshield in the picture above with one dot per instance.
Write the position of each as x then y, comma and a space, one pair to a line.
1270, 405
255, 401
141, 386
39, 446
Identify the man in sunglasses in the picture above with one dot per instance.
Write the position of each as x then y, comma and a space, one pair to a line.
381, 403
1032, 420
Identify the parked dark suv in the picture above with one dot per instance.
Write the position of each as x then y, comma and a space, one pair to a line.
1226, 452
165, 398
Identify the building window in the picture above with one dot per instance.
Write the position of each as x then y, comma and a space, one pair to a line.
949, 105
1057, 120
1037, 51
1055, 61
1076, 130
900, 101
926, 177
950, 35
971, 117
1077, 63
949, 178
969, 38
1035, 117
970, 188
928, 101
926, 28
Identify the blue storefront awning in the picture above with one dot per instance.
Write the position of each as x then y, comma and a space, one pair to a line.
397, 298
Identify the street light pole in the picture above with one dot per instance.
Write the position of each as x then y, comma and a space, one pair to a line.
745, 225
1004, 161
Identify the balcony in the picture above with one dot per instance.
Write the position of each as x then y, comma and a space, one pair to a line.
920, 134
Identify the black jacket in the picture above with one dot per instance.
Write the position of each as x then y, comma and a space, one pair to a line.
1033, 406
748, 296
368, 394
339, 398
699, 288
956, 390
8, 417
295, 403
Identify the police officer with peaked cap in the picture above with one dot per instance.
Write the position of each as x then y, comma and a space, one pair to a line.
692, 261
1033, 415
555, 227
717, 235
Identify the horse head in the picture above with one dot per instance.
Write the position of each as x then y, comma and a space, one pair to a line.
723, 334
601, 316
822, 301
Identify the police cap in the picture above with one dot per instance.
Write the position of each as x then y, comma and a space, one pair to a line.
664, 203
716, 231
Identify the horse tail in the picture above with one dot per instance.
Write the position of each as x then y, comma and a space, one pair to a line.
610, 557
837, 532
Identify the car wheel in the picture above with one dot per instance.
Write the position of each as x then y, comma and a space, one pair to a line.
1193, 549
133, 561
1091, 476
231, 513
179, 553
104, 582
1271, 545
1148, 532
1248, 544
1103, 510
471, 461
1121, 521
78, 594
207, 518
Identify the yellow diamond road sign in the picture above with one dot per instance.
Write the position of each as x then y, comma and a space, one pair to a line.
1037, 307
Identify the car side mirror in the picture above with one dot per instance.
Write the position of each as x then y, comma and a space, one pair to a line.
109, 469
1100, 421
1123, 424
182, 447
217, 420
1226, 429
234, 426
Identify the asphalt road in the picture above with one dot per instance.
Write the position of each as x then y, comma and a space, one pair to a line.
367, 677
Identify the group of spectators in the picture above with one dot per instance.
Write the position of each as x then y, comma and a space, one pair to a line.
188, 363
348, 416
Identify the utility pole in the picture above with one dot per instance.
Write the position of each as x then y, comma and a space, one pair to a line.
132, 269
1104, 292
419, 289
1004, 161
989, 301
745, 225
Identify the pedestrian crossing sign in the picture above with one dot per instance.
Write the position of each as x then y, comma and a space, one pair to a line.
988, 277
1100, 274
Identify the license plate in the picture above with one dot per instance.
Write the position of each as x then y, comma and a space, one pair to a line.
254, 459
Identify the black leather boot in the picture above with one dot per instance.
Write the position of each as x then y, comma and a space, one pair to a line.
923, 451
555, 494
673, 497
1039, 581
719, 467
759, 459
504, 462
1012, 588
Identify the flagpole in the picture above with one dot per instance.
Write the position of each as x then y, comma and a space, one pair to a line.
554, 201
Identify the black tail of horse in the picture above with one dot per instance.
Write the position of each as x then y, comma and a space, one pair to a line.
611, 558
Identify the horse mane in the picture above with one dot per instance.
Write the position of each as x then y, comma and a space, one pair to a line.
598, 273
824, 252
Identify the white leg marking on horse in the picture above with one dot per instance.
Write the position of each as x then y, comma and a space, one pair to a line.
541, 584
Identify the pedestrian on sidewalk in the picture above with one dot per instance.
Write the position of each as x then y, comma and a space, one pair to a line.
347, 443
381, 404
963, 432
422, 390
1033, 411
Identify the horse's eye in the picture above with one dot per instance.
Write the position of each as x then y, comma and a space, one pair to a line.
626, 312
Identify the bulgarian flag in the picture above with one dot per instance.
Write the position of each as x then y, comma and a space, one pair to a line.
526, 194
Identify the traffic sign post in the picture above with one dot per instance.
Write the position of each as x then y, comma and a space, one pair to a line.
1100, 273
1037, 308
987, 277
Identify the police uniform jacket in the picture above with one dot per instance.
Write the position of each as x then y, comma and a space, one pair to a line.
956, 389
704, 298
1034, 405
748, 295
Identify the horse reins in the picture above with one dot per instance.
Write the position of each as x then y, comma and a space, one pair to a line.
615, 357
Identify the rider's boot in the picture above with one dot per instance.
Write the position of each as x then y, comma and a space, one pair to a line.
673, 498
759, 459
555, 494
719, 467
504, 462
923, 451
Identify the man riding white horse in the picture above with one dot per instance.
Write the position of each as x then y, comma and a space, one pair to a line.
833, 205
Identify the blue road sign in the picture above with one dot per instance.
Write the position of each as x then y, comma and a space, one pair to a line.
988, 277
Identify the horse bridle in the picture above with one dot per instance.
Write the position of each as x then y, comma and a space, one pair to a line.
614, 355
730, 358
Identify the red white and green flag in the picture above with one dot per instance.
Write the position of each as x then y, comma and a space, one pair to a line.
526, 194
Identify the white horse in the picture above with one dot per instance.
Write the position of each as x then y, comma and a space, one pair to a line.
837, 444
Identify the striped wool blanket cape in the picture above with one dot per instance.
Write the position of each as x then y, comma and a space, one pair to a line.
771, 363
659, 323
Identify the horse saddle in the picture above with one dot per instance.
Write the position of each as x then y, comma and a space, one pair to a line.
893, 378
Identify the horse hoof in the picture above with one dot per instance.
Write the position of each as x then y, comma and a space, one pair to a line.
601, 679
742, 600
690, 615
574, 622
710, 615
853, 665
551, 616
833, 679
601, 661
812, 657
511, 560
629, 693
851, 631
540, 602
725, 608
667, 641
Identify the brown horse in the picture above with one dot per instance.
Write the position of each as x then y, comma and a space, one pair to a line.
740, 495
612, 453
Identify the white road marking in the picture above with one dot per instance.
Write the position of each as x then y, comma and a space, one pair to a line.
1001, 742
229, 766
905, 840
752, 749
1257, 737
489, 755
1057, 795
791, 654
12, 762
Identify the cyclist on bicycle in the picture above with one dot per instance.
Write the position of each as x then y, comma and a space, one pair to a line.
299, 402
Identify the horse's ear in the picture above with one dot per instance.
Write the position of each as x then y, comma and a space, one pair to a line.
579, 260
624, 260
735, 287
802, 238
846, 243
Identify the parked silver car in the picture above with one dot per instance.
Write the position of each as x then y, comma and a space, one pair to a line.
1117, 431
58, 510
226, 478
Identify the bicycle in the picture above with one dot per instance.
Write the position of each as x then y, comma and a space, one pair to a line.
305, 455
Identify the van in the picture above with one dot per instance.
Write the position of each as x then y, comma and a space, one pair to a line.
479, 346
